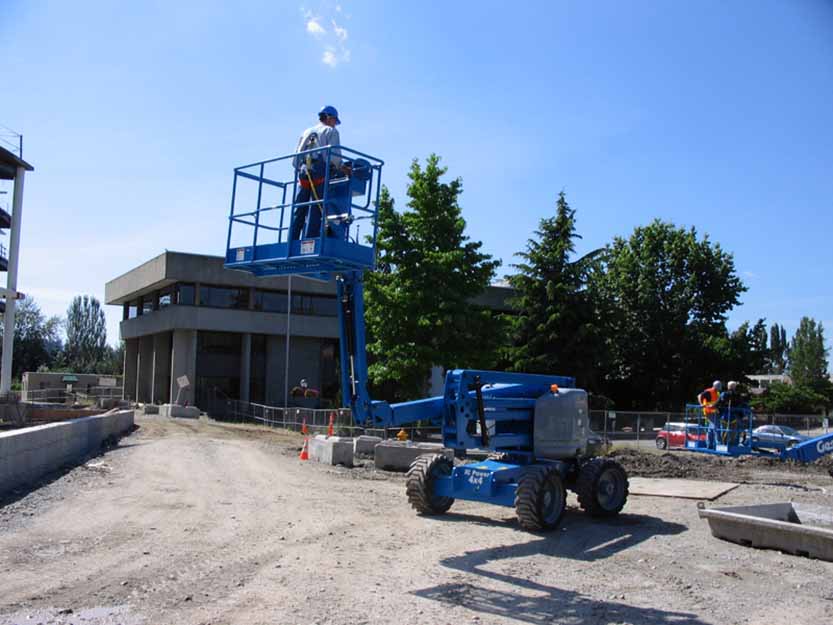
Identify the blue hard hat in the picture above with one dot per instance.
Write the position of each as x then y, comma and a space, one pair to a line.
331, 111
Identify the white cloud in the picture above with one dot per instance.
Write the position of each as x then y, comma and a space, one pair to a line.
340, 32
314, 28
333, 40
329, 58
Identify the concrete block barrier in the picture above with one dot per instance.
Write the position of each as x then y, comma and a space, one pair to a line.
365, 446
182, 412
28, 454
333, 450
398, 456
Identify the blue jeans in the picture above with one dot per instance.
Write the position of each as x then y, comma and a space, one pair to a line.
314, 228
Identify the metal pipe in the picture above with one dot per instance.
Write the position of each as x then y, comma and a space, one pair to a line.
288, 320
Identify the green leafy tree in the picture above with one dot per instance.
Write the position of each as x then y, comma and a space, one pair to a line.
419, 308
555, 329
665, 294
778, 349
790, 398
86, 347
808, 355
37, 340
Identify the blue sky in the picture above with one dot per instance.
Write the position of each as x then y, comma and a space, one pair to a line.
713, 114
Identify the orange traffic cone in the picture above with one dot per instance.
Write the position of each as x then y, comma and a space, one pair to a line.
304, 450
331, 427
304, 429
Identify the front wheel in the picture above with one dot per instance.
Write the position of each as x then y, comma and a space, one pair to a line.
602, 487
540, 499
419, 485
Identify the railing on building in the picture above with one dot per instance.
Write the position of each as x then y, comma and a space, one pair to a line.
62, 396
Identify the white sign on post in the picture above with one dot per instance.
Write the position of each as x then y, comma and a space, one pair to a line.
107, 381
182, 381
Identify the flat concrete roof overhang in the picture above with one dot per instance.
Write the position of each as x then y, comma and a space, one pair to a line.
9, 162
171, 267
227, 320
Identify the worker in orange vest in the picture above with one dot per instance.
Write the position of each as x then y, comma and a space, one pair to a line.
709, 399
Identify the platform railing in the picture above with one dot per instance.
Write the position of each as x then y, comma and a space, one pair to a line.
348, 198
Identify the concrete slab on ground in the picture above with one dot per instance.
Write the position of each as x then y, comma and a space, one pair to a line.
333, 450
683, 489
398, 456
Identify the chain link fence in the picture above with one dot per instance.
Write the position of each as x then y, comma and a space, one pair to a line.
626, 428
640, 429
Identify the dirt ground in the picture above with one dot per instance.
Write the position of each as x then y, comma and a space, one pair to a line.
201, 523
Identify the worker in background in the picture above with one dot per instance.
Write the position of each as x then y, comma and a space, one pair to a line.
732, 408
709, 399
312, 171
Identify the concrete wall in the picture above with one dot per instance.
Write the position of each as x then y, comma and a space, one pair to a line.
28, 454
34, 381
131, 362
161, 368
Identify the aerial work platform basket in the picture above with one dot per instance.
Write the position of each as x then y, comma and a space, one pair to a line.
269, 203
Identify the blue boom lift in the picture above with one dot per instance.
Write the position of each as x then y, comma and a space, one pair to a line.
536, 426
728, 430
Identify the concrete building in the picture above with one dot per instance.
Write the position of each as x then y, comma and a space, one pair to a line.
185, 314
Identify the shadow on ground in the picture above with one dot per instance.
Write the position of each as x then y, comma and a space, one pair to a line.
528, 601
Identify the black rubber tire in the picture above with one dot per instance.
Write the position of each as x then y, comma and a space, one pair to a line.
419, 484
662, 443
540, 499
602, 487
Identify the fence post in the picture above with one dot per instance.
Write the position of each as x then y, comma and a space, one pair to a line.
638, 423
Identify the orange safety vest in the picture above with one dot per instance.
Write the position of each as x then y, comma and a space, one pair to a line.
709, 401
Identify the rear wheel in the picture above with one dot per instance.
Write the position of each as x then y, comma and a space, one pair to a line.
420, 481
540, 499
602, 487
662, 443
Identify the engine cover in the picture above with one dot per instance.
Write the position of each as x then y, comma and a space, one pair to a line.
562, 424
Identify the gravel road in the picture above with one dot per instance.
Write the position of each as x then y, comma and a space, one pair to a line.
202, 523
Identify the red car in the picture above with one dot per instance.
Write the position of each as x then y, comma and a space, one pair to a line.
674, 435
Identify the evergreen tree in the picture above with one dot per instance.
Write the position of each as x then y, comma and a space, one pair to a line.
419, 308
554, 330
778, 349
808, 355
86, 346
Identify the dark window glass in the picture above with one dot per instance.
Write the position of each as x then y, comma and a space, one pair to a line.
223, 297
147, 304
270, 301
185, 294
314, 305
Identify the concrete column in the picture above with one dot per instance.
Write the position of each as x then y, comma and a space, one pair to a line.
144, 380
275, 367
11, 284
184, 362
161, 367
131, 360
245, 365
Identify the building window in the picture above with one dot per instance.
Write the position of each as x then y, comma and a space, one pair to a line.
270, 301
147, 304
185, 294
224, 297
132, 310
166, 298
314, 305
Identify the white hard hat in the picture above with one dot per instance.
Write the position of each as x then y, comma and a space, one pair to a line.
717, 384
732, 385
